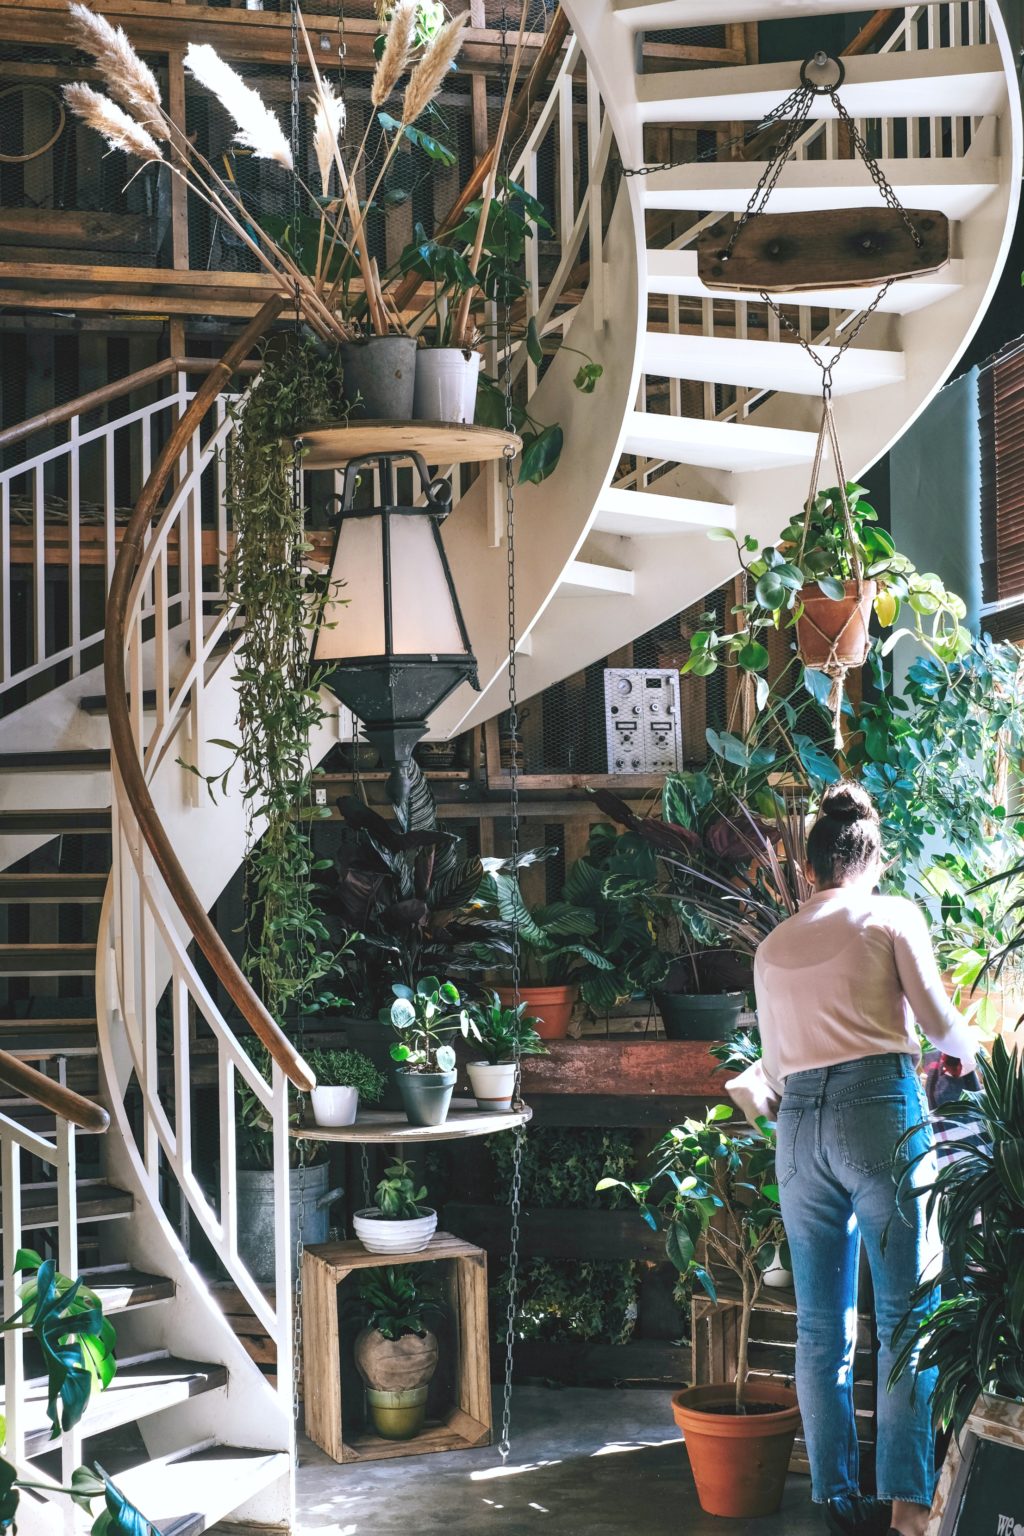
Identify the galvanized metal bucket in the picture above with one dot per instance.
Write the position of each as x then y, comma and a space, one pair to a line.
257, 1214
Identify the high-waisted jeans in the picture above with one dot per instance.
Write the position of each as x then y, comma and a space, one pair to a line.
838, 1129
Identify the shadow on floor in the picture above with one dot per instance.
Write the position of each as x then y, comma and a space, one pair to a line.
583, 1463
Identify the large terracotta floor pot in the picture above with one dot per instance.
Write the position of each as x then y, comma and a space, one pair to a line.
550, 1006
739, 1462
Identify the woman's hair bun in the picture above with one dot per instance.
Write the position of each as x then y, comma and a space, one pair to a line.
847, 802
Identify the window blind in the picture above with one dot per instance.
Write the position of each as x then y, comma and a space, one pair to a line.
1002, 491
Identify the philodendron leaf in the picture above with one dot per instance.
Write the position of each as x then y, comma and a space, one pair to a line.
120, 1518
832, 587
9, 1496
770, 591
587, 376
541, 453
534, 349
722, 535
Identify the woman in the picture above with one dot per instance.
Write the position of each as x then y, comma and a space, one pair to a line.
839, 987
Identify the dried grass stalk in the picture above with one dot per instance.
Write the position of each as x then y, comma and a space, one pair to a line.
429, 75
394, 61
112, 121
127, 78
257, 127
328, 127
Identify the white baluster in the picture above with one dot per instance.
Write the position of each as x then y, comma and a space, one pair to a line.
594, 209
5, 580
74, 547
14, 1357
38, 565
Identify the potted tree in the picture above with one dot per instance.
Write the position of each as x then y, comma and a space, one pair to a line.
343, 1078
396, 1352
502, 1032
714, 1194
426, 1019
398, 1221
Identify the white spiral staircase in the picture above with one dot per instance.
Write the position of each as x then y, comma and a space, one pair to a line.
609, 546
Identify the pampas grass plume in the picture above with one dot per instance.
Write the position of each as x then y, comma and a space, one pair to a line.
127, 78
397, 46
328, 126
112, 121
257, 127
426, 79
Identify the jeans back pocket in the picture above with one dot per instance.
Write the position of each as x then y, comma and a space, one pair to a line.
869, 1131
787, 1127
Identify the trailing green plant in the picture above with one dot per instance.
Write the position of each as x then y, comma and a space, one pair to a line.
821, 555
288, 954
974, 1335
346, 1069
396, 1197
254, 1128
426, 1020
397, 1299
76, 1342
714, 1194
503, 1032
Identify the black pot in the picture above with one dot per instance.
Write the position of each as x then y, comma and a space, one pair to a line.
699, 1015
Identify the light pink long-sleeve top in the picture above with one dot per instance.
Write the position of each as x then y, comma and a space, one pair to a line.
846, 977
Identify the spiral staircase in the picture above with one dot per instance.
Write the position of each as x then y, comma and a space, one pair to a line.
705, 416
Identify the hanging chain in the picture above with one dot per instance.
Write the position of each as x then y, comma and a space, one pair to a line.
293, 135
827, 365
364, 1159
773, 168
297, 1308
782, 110
515, 1193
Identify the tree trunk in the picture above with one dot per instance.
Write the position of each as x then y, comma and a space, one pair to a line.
744, 1340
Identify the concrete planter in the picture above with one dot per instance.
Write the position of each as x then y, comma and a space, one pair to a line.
426, 1096
380, 377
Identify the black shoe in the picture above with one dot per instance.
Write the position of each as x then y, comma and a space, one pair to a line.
858, 1516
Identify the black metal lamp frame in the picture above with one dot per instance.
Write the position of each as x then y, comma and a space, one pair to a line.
393, 695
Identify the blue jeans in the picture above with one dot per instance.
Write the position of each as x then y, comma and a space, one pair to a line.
838, 1128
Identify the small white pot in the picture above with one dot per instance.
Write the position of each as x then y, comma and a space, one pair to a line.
335, 1106
378, 1235
446, 384
493, 1083
776, 1276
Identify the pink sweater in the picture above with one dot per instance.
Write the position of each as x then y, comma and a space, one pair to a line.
847, 977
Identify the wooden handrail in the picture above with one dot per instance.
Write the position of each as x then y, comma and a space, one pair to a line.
518, 117
42, 1090
107, 392
122, 743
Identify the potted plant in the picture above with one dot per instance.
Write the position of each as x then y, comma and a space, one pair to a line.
396, 1352
972, 1336
398, 1222
714, 1193
502, 1032
343, 1078
426, 1019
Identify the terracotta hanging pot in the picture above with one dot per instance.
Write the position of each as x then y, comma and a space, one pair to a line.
834, 630
739, 1461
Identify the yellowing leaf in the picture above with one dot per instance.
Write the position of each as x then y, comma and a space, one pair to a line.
886, 607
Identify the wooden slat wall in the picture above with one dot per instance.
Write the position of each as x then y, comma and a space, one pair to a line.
1002, 490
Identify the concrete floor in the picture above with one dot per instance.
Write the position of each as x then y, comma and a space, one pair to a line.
583, 1463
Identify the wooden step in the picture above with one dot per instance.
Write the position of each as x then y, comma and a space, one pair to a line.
762, 364
958, 82
54, 823
121, 1288
97, 1201
41, 1039
956, 188
47, 959
143, 1386
96, 703
675, 272
184, 1494
58, 888
96, 758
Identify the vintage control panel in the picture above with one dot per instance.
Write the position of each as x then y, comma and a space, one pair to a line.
642, 724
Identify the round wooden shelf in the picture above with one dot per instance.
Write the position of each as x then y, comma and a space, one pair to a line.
440, 442
390, 1125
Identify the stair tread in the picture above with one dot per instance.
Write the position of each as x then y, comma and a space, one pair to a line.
53, 823
751, 363
96, 703
638, 513
55, 762
675, 272
52, 887
956, 187
966, 81
140, 1388
185, 1495
121, 1287
97, 1201
658, 15
47, 959
716, 444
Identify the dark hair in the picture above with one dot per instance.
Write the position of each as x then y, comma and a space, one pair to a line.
845, 839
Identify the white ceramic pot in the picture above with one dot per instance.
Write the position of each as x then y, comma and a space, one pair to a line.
380, 1236
335, 1106
777, 1276
446, 383
493, 1083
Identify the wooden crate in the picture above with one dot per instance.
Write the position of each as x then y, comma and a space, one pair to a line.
332, 1419
772, 1352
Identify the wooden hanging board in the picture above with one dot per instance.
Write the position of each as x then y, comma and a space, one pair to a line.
832, 248
440, 442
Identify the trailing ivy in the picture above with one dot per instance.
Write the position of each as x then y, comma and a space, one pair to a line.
288, 953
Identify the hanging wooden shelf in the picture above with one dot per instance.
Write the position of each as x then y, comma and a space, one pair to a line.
439, 442
831, 248
384, 1125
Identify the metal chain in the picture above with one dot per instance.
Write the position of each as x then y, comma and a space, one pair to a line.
827, 366
293, 135
364, 1159
773, 169
878, 176
297, 1309
782, 110
515, 1193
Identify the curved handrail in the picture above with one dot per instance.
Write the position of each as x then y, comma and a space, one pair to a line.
122, 742
42, 1090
